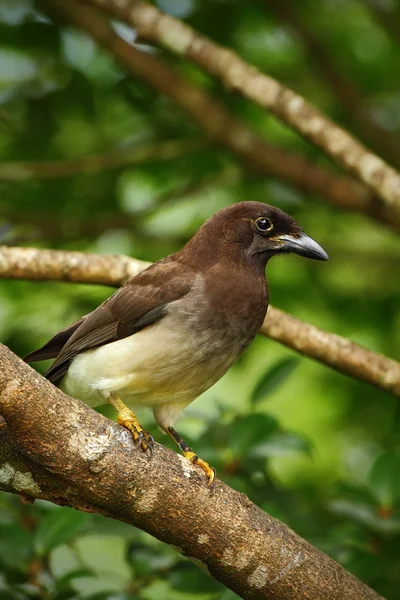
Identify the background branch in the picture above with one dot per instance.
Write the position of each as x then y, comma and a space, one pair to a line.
265, 91
330, 349
343, 87
388, 16
166, 150
56, 448
223, 127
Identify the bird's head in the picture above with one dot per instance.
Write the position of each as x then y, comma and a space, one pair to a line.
255, 231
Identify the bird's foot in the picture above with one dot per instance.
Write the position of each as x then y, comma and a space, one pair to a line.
190, 455
209, 471
142, 438
128, 419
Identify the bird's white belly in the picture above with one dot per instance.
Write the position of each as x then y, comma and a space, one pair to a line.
168, 362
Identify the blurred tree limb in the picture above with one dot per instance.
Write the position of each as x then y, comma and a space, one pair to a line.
32, 223
56, 448
161, 150
223, 127
388, 16
345, 90
151, 24
328, 348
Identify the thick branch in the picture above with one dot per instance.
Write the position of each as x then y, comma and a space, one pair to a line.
287, 105
223, 127
20, 171
56, 448
328, 348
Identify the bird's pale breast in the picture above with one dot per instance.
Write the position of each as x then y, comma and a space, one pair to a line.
172, 361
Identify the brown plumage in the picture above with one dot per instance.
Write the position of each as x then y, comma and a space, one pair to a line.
173, 330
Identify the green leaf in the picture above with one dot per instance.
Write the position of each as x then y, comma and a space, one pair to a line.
366, 515
281, 444
250, 430
13, 12
384, 478
63, 561
64, 584
104, 555
228, 595
79, 49
190, 580
57, 527
16, 67
93, 586
15, 546
273, 378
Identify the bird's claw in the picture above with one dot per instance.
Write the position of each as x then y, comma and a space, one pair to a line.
145, 441
209, 471
142, 439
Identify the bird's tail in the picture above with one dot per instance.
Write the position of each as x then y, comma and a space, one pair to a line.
55, 345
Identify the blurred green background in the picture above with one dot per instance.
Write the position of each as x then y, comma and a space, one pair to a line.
315, 449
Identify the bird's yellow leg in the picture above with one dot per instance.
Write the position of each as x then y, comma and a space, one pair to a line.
127, 418
190, 455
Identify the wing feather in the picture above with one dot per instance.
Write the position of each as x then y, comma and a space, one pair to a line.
142, 301
53, 346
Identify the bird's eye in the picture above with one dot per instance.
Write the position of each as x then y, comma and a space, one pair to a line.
263, 224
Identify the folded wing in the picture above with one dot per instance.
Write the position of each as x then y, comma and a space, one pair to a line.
142, 301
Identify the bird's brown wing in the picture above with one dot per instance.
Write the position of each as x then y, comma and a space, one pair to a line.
139, 303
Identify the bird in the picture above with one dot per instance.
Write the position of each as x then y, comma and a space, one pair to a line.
172, 331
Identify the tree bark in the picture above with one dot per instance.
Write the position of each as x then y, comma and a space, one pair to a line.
224, 128
265, 91
58, 449
328, 348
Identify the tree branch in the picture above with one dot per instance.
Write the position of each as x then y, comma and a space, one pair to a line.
328, 348
36, 264
333, 350
285, 104
34, 224
167, 150
58, 449
351, 98
388, 16
223, 127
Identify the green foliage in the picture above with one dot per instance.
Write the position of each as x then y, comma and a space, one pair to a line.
384, 479
315, 449
58, 527
273, 378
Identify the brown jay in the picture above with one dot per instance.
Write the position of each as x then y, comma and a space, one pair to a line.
172, 331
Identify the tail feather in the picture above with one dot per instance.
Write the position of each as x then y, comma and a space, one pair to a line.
55, 345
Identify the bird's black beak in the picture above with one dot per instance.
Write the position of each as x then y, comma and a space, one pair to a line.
303, 245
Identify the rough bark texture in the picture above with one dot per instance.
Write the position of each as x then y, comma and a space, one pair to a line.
224, 128
330, 349
284, 103
56, 448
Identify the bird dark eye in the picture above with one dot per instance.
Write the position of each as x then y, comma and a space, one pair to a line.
263, 224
